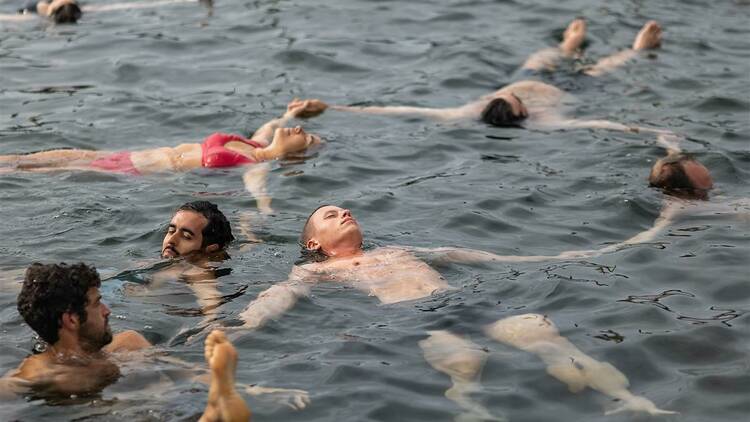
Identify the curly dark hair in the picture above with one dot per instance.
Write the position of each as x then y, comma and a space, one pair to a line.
51, 290
217, 230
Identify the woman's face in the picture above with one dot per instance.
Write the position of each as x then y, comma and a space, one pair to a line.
294, 139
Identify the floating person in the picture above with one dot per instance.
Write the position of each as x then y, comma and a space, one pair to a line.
538, 335
69, 11
391, 274
59, 11
686, 184
63, 305
526, 103
271, 141
198, 234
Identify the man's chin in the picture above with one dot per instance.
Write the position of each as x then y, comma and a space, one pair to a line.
107, 338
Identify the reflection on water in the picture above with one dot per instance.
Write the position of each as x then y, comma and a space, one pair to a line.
671, 315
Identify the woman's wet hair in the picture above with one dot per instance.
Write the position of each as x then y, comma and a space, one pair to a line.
67, 13
499, 112
673, 179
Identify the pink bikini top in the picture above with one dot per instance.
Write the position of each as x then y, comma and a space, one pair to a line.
216, 155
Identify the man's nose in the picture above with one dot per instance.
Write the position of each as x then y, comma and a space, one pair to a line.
171, 238
347, 213
106, 311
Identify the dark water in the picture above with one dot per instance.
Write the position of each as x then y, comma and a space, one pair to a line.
673, 317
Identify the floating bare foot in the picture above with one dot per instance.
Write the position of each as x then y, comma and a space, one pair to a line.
573, 36
224, 404
648, 37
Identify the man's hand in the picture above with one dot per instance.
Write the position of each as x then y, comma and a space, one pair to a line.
305, 108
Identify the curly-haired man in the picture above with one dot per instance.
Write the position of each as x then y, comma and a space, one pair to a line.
63, 305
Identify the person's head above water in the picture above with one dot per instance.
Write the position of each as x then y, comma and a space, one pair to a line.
682, 176
62, 303
506, 110
197, 229
60, 11
332, 231
288, 140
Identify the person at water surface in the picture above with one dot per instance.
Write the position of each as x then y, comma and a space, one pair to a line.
63, 305
525, 103
393, 275
269, 142
59, 11
69, 11
197, 234
197, 231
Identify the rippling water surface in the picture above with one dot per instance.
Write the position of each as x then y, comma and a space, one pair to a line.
672, 316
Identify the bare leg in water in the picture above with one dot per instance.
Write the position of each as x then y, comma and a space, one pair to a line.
548, 58
649, 37
538, 335
463, 361
50, 159
224, 403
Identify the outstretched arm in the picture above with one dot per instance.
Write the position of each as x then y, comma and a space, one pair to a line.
431, 113
649, 37
264, 134
132, 5
469, 256
276, 300
314, 107
255, 178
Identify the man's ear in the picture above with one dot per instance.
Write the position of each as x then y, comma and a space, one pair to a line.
70, 321
312, 245
214, 247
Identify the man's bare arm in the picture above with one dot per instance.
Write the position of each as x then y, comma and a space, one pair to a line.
432, 113
315, 107
276, 300
470, 256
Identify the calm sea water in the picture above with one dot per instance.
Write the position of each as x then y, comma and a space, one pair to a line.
673, 317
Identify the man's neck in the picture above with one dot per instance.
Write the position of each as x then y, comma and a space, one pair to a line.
345, 253
68, 347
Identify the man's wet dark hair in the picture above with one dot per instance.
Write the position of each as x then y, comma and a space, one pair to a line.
499, 112
307, 233
217, 230
67, 13
307, 228
51, 290
673, 179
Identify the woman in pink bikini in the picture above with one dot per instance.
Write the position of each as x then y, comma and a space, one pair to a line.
269, 142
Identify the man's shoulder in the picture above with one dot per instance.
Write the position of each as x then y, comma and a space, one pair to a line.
32, 367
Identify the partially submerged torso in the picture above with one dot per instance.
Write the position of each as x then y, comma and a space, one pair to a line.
543, 101
392, 275
48, 374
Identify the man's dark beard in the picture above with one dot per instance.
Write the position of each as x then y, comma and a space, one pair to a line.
93, 341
